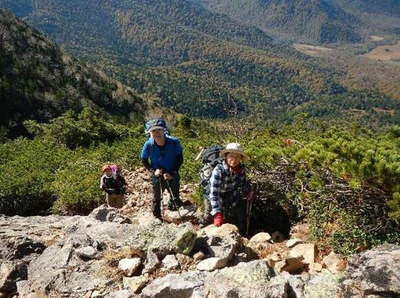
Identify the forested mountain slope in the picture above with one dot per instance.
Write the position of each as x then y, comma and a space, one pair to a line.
320, 21
39, 81
197, 62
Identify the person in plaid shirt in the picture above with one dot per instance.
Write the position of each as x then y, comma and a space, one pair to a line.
229, 188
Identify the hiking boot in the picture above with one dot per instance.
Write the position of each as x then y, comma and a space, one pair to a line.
174, 205
204, 221
157, 215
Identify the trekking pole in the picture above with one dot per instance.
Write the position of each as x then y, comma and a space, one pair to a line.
173, 198
249, 206
161, 196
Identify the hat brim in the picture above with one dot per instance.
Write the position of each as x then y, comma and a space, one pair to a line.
156, 128
226, 151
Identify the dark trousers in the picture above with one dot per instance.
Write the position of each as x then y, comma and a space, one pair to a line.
159, 186
233, 210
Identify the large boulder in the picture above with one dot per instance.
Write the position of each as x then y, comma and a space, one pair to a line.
24, 238
226, 231
324, 284
306, 250
220, 243
67, 268
334, 263
375, 271
252, 279
110, 214
111, 234
186, 285
59, 271
165, 239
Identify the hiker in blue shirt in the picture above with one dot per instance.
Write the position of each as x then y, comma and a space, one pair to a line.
162, 155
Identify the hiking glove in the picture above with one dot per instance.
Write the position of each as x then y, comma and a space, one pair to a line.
168, 176
158, 172
218, 219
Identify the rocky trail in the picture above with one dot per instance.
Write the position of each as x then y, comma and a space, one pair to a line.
128, 253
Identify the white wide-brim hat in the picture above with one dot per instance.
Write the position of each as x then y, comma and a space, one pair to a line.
234, 148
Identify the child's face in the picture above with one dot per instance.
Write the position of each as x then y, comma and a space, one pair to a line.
233, 159
108, 173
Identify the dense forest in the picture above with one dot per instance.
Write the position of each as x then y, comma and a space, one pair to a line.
200, 63
321, 21
39, 81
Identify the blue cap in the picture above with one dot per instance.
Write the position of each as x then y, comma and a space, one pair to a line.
155, 124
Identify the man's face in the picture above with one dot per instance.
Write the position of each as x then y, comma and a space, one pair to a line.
108, 173
157, 134
233, 159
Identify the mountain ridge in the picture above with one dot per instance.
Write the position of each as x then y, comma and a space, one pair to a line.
39, 81
317, 21
173, 55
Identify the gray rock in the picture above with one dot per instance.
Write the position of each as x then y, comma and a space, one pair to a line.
20, 248
258, 245
121, 294
23, 288
375, 271
152, 262
296, 285
59, 270
260, 238
129, 266
322, 285
184, 285
170, 262
165, 239
136, 283
104, 213
215, 234
185, 213
108, 234
223, 242
87, 252
211, 264
252, 279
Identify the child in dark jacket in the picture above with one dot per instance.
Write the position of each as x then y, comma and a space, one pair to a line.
114, 186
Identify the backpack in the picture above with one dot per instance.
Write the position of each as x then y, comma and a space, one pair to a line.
117, 175
210, 159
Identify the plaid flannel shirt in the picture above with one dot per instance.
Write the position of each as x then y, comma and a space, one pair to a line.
224, 182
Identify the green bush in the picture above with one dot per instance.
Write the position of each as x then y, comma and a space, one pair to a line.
80, 130
344, 181
27, 170
76, 186
76, 183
